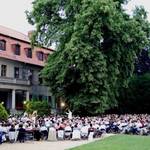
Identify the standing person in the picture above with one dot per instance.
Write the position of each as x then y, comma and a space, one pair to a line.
69, 114
34, 117
21, 134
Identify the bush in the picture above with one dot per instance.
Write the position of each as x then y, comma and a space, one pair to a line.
3, 113
42, 107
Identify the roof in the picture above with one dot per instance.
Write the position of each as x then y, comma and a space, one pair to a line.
13, 33
17, 35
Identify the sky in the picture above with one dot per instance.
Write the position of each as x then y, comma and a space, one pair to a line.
12, 13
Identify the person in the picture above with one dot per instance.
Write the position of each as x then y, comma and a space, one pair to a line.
44, 132
34, 116
21, 134
60, 131
3, 130
37, 134
69, 114
68, 131
91, 132
12, 134
1, 134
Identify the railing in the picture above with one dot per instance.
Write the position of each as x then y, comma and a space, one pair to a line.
14, 81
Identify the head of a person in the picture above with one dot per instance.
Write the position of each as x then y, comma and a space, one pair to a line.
12, 126
20, 125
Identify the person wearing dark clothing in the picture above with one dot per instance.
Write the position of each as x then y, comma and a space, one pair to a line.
21, 134
1, 134
12, 128
37, 134
91, 129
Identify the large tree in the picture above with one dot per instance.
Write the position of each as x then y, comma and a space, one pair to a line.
142, 63
97, 43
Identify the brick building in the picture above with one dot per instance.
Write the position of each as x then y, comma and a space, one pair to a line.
19, 70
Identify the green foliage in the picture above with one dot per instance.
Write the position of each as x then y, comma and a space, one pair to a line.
97, 46
135, 98
3, 113
42, 107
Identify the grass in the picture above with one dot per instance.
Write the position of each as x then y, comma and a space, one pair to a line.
118, 142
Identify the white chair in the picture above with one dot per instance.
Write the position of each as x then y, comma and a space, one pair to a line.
12, 136
60, 134
91, 135
16, 135
52, 134
76, 135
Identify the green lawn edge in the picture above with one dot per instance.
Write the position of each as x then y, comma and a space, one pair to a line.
118, 142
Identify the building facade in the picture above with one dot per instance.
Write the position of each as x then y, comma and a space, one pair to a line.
19, 70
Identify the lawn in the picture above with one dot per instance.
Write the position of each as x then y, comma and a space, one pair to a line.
119, 142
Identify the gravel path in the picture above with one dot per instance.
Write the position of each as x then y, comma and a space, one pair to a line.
45, 145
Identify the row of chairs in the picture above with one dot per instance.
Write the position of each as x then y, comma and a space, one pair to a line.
76, 135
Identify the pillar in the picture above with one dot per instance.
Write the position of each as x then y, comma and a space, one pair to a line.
27, 96
13, 106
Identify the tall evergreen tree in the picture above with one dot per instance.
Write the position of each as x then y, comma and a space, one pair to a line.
97, 46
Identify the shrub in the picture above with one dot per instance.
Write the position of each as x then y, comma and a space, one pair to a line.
42, 107
3, 112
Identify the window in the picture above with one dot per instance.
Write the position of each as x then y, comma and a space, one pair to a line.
2, 45
16, 72
16, 49
40, 56
29, 52
3, 70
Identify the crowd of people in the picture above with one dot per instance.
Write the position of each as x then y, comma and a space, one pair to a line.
53, 128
